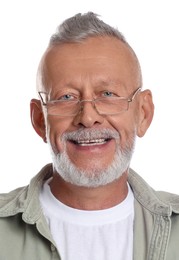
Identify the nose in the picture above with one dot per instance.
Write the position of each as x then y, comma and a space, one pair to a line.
88, 115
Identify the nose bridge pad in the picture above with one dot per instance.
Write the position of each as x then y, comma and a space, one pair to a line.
87, 100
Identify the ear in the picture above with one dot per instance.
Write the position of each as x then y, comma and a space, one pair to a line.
37, 118
146, 112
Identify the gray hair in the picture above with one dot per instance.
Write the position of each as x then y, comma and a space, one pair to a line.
81, 27
78, 28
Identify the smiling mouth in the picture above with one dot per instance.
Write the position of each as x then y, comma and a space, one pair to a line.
92, 142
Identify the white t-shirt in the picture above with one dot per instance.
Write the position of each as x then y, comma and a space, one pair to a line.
90, 235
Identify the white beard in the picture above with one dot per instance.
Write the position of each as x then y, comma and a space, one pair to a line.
93, 177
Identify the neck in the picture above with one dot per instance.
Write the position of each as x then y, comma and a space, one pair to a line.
99, 198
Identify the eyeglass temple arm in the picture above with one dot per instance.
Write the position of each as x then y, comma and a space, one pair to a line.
134, 94
41, 98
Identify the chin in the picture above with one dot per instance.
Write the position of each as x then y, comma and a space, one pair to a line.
94, 176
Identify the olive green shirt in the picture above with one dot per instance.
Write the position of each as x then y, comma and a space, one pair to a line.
24, 233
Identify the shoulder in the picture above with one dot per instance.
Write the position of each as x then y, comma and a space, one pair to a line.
12, 202
169, 198
22, 199
159, 202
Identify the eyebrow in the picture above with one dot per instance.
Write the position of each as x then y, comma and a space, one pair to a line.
97, 83
111, 82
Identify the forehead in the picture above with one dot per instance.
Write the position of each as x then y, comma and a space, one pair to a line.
92, 61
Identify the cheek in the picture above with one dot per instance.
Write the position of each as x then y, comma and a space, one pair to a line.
55, 129
126, 127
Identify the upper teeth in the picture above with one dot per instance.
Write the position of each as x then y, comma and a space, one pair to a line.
91, 141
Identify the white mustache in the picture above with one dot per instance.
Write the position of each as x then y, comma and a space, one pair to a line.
90, 134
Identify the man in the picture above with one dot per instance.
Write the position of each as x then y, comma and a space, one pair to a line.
88, 204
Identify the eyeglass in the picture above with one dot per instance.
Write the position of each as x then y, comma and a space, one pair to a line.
104, 106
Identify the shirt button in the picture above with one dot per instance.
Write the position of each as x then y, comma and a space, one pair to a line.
53, 248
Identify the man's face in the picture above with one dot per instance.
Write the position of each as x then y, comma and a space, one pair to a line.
89, 70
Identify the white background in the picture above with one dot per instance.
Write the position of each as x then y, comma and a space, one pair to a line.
152, 29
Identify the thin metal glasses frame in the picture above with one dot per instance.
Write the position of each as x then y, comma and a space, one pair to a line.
129, 99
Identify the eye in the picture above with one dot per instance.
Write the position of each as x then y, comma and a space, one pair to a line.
108, 94
67, 97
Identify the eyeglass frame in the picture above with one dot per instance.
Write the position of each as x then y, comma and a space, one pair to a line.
129, 99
